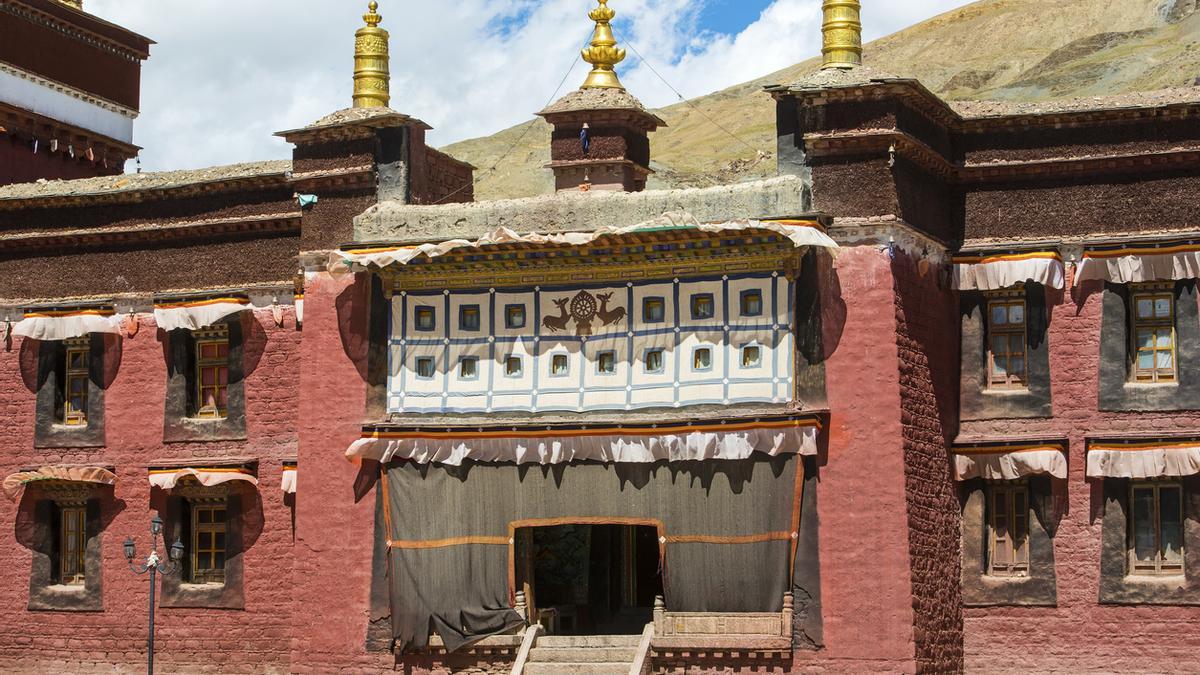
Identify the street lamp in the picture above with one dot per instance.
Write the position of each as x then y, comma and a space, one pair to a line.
154, 565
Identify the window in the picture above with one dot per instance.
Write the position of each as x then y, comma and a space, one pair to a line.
654, 310
559, 365
468, 368
1156, 529
1006, 342
1154, 335
514, 316
72, 544
208, 543
654, 361
212, 373
425, 367
514, 366
752, 303
425, 318
1008, 530
468, 317
606, 363
75, 388
751, 356
702, 358
703, 306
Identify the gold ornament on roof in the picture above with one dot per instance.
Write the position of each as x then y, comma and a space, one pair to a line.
842, 31
371, 75
77, 4
603, 54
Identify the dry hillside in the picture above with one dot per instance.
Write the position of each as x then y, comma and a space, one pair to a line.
992, 49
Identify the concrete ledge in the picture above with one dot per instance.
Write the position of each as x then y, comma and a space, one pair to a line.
578, 212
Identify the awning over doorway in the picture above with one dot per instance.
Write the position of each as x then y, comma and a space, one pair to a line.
1143, 458
1137, 263
993, 272
208, 476
196, 314
728, 439
15, 484
66, 323
289, 478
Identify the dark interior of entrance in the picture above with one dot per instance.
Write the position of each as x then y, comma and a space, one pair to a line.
589, 579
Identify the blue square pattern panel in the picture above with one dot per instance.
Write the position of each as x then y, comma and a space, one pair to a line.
667, 343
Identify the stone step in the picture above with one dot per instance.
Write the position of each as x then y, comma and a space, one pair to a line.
540, 654
588, 641
577, 668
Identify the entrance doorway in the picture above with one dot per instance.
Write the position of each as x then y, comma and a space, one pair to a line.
589, 579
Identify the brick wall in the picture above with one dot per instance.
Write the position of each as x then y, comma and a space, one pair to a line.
1080, 634
442, 180
927, 340
253, 640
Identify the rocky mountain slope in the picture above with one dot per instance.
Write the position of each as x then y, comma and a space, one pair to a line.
1021, 50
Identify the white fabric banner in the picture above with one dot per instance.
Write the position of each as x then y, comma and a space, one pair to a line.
799, 235
196, 316
289, 480
14, 485
616, 447
167, 478
1010, 465
994, 275
1143, 462
49, 327
1140, 268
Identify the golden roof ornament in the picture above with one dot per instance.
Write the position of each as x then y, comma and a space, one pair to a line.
371, 75
77, 4
603, 53
842, 31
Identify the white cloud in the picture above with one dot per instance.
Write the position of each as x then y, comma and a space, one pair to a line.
226, 74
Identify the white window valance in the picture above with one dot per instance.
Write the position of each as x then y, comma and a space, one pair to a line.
799, 232
1138, 459
734, 439
196, 314
1009, 462
1138, 264
15, 484
1000, 271
289, 479
206, 476
66, 324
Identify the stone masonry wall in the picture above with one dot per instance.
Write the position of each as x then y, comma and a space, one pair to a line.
926, 335
253, 640
1080, 634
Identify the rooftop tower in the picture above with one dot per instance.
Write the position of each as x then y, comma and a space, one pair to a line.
601, 138
372, 78
842, 32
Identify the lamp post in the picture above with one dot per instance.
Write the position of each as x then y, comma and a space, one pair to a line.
154, 565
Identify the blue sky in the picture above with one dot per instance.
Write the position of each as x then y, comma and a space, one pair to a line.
226, 74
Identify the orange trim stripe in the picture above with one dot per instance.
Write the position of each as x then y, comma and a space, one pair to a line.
1003, 449
798, 223
743, 539
612, 431
1006, 257
1122, 252
58, 314
201, 303
204, 469
446, 543
1158, 445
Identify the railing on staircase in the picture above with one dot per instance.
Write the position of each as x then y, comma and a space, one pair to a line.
527, 643
641, 663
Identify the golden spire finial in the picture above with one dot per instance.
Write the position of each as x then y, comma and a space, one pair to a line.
371, 76
603, 54
842, 30
77, 4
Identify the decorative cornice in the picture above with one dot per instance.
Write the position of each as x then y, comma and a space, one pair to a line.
266, 223
889, 232
107, 44
68, 90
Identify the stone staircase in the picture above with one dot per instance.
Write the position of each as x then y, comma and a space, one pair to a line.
582, 654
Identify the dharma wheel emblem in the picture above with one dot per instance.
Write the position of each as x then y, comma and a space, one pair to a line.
584, 308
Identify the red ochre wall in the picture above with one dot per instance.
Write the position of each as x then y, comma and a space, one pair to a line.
1080, 634
19, 164
253, 640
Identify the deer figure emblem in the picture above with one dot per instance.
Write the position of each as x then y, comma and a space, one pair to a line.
609, 317
558, 323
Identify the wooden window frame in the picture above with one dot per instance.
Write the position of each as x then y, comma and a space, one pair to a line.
210, 574
1008, 380
1154, 374
1004, 529
72, 373
72, 529
217, 336
1159, 567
